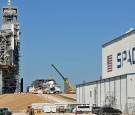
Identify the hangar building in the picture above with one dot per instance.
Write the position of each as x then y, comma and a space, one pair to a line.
117, 86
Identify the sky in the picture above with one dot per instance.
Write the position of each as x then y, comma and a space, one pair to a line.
68, 34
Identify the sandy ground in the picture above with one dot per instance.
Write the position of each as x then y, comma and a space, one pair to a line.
19, 102
69, 95
54, 98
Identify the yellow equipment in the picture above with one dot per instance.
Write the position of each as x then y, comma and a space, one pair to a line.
72, 90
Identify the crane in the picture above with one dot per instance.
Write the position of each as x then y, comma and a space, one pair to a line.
72, 90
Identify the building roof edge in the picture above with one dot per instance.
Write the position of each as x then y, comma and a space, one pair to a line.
118, 38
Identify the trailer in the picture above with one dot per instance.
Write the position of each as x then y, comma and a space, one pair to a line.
85, 108
49, 108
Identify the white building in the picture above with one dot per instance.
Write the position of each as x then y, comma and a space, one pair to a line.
117, 86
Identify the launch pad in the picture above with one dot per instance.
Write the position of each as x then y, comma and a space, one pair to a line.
9, 50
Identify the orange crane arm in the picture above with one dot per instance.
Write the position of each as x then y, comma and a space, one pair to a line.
67, 82
65, 79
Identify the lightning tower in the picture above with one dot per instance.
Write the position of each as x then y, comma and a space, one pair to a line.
9, 50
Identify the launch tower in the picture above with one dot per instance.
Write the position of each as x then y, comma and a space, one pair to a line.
9, 50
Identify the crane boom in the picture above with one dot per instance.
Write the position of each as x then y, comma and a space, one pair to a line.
65, 80
59, 72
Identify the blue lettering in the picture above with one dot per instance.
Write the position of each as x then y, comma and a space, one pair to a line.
129, 59
133, 53
119, 60
124, 56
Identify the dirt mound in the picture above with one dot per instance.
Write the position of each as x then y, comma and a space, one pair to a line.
17, 102
73, 96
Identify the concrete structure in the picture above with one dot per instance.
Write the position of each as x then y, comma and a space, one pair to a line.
117, 86
45, 86
9, 50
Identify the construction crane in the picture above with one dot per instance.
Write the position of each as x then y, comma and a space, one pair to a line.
71, 88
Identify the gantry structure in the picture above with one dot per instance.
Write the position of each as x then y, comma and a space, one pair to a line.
9, 50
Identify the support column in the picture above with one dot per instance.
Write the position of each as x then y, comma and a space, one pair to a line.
1, 84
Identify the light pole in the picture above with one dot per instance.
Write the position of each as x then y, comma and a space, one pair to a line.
84, 91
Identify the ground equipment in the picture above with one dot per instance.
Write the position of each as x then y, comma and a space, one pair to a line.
70, 89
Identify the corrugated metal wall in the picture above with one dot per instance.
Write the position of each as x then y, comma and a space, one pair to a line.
121, 87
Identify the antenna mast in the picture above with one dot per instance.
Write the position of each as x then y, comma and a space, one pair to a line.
9, 2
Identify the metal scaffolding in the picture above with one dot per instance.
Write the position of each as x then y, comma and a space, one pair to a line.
9, 50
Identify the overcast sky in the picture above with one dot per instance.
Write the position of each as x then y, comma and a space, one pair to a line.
68, 34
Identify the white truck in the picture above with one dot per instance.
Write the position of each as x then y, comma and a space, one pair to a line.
57, 89
49, 108
85, 108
